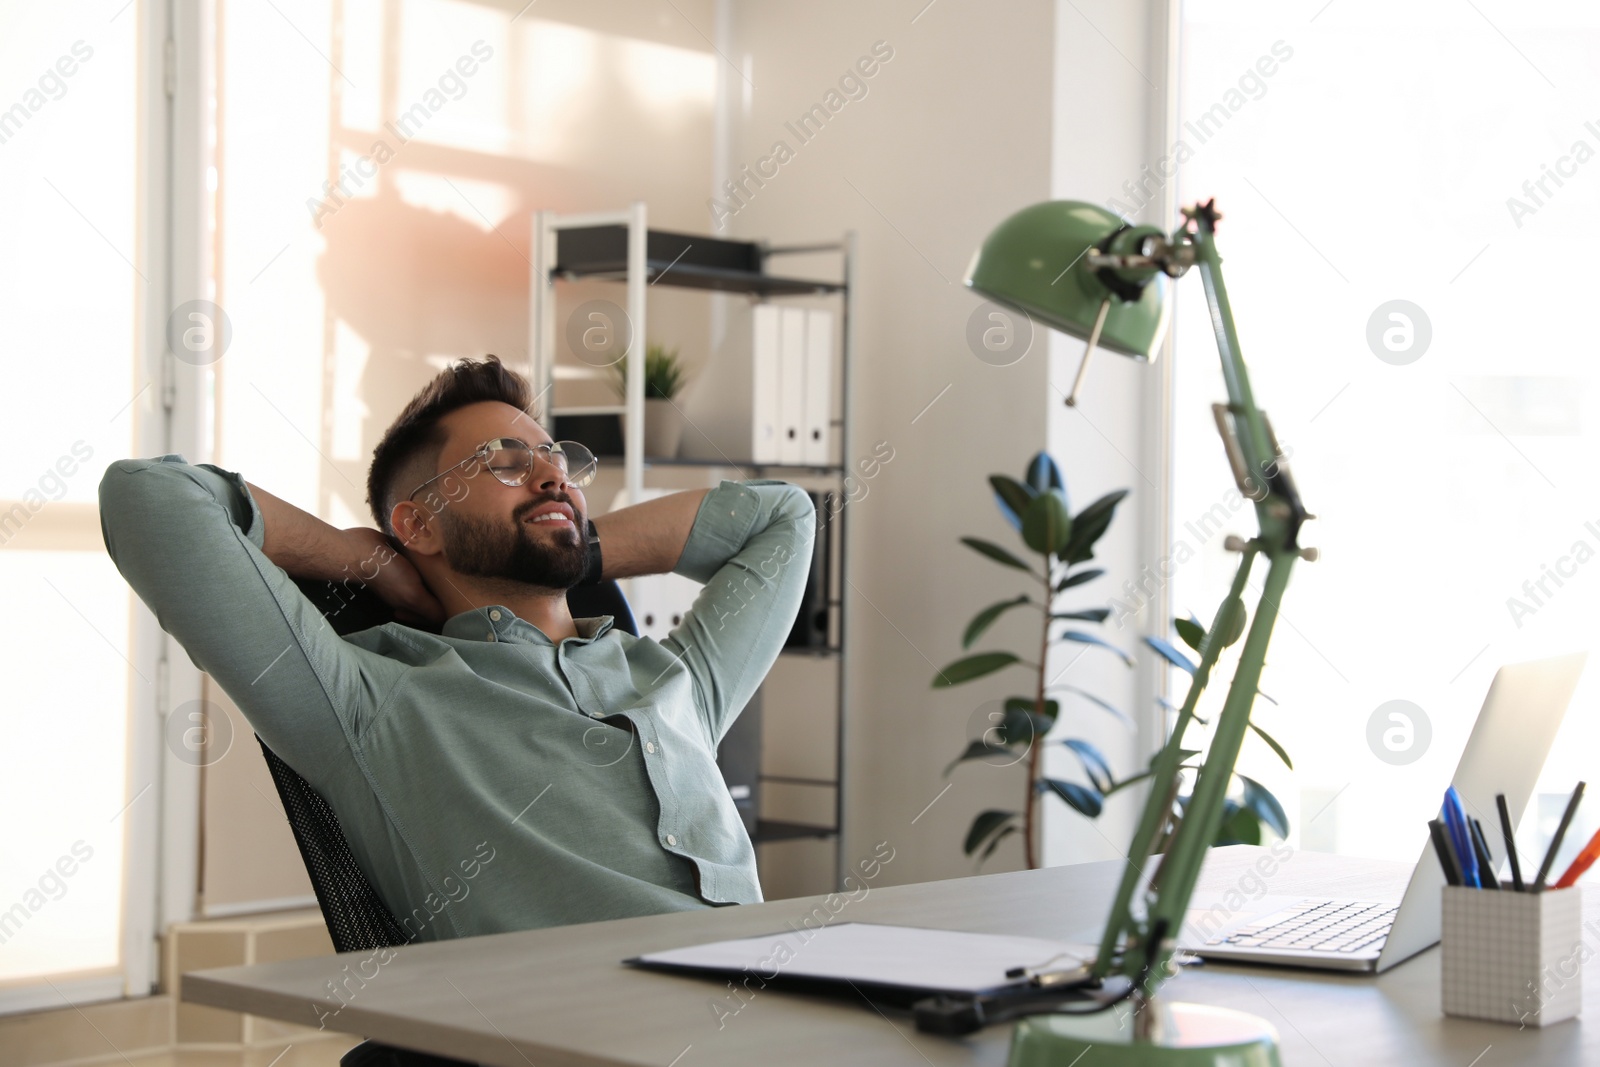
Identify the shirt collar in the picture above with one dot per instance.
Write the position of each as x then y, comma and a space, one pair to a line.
496, 622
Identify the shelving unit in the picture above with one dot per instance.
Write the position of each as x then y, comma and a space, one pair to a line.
619, 246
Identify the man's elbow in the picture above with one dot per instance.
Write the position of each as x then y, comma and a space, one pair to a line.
798, 507
121, 483
133, 493
116, 493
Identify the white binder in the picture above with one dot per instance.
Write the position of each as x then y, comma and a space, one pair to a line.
792, 386
764, 384
659, 601
818, 408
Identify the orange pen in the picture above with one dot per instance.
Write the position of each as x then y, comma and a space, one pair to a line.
1585, 859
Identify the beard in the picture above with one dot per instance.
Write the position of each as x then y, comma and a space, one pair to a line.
555, 558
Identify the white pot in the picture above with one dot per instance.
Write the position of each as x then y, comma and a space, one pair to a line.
663, 429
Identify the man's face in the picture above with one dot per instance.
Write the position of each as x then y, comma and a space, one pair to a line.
533, 533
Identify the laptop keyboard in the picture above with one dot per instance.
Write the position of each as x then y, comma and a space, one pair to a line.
1318, 925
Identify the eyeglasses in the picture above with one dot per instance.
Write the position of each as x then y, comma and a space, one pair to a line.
511, 461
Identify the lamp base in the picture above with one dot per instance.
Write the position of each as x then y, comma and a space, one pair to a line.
1178, 1035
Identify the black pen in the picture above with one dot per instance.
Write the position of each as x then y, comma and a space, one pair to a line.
1486, 875
1447, 856
1555, 842
1511, 842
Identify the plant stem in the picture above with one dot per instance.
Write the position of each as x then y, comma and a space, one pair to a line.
1030, 849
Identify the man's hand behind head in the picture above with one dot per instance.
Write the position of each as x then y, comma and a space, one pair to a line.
378, 563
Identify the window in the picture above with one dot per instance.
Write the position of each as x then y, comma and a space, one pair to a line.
70, 160
1407, 191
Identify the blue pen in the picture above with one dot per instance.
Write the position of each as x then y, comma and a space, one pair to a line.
1455, 820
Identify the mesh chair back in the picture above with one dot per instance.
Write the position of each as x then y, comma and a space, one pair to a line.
358, 921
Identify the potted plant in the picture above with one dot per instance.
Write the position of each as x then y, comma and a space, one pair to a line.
1036, 508
663, 380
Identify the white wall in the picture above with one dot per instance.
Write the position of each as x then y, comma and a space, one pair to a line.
955, 133
1112, 88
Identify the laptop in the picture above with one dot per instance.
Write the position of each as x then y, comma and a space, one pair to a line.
1505, 753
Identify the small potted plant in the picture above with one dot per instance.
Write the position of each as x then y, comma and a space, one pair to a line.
663, 381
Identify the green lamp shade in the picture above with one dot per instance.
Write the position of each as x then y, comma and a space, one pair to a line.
1034, 262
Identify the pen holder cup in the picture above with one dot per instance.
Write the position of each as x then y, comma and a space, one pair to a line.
1512, 957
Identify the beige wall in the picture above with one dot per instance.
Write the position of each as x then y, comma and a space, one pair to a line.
983, 109
953, 135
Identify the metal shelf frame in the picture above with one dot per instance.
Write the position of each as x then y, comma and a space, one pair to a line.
640, 272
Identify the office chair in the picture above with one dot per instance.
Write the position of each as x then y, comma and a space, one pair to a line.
357, 918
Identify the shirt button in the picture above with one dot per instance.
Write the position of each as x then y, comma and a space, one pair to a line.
671, 840
649, 746
495, 615
489, 636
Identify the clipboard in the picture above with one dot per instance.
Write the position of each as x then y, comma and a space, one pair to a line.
898, 965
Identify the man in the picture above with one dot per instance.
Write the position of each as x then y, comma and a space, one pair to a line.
518, 767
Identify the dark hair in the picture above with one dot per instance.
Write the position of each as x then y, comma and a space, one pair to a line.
409, 451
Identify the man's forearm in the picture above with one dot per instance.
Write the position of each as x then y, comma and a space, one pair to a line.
647, 538
299, 542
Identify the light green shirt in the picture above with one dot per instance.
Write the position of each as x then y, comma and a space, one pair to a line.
487, 778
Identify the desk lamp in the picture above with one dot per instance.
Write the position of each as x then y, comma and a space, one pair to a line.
1082, 270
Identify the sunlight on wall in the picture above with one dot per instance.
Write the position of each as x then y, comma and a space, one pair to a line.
673, 83
479, 204
555, 94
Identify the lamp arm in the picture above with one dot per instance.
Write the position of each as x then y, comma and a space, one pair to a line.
1180, 868
1279, 515
1164, 775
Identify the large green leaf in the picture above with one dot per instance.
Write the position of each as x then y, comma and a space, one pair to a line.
986, 823
1089, 524
1088, 574
994, 842
1239, 826
970, 667
996, 553
1044, 722
1191, 632
1013, 498
1047, 524
978, 750
1170, 654
1021, 725
1272, 744
1043, 474
1086, 615
1094, 763
1082, 638
1083, 799
980, 622
1259, 799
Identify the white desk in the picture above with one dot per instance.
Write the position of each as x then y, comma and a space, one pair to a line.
559, 997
